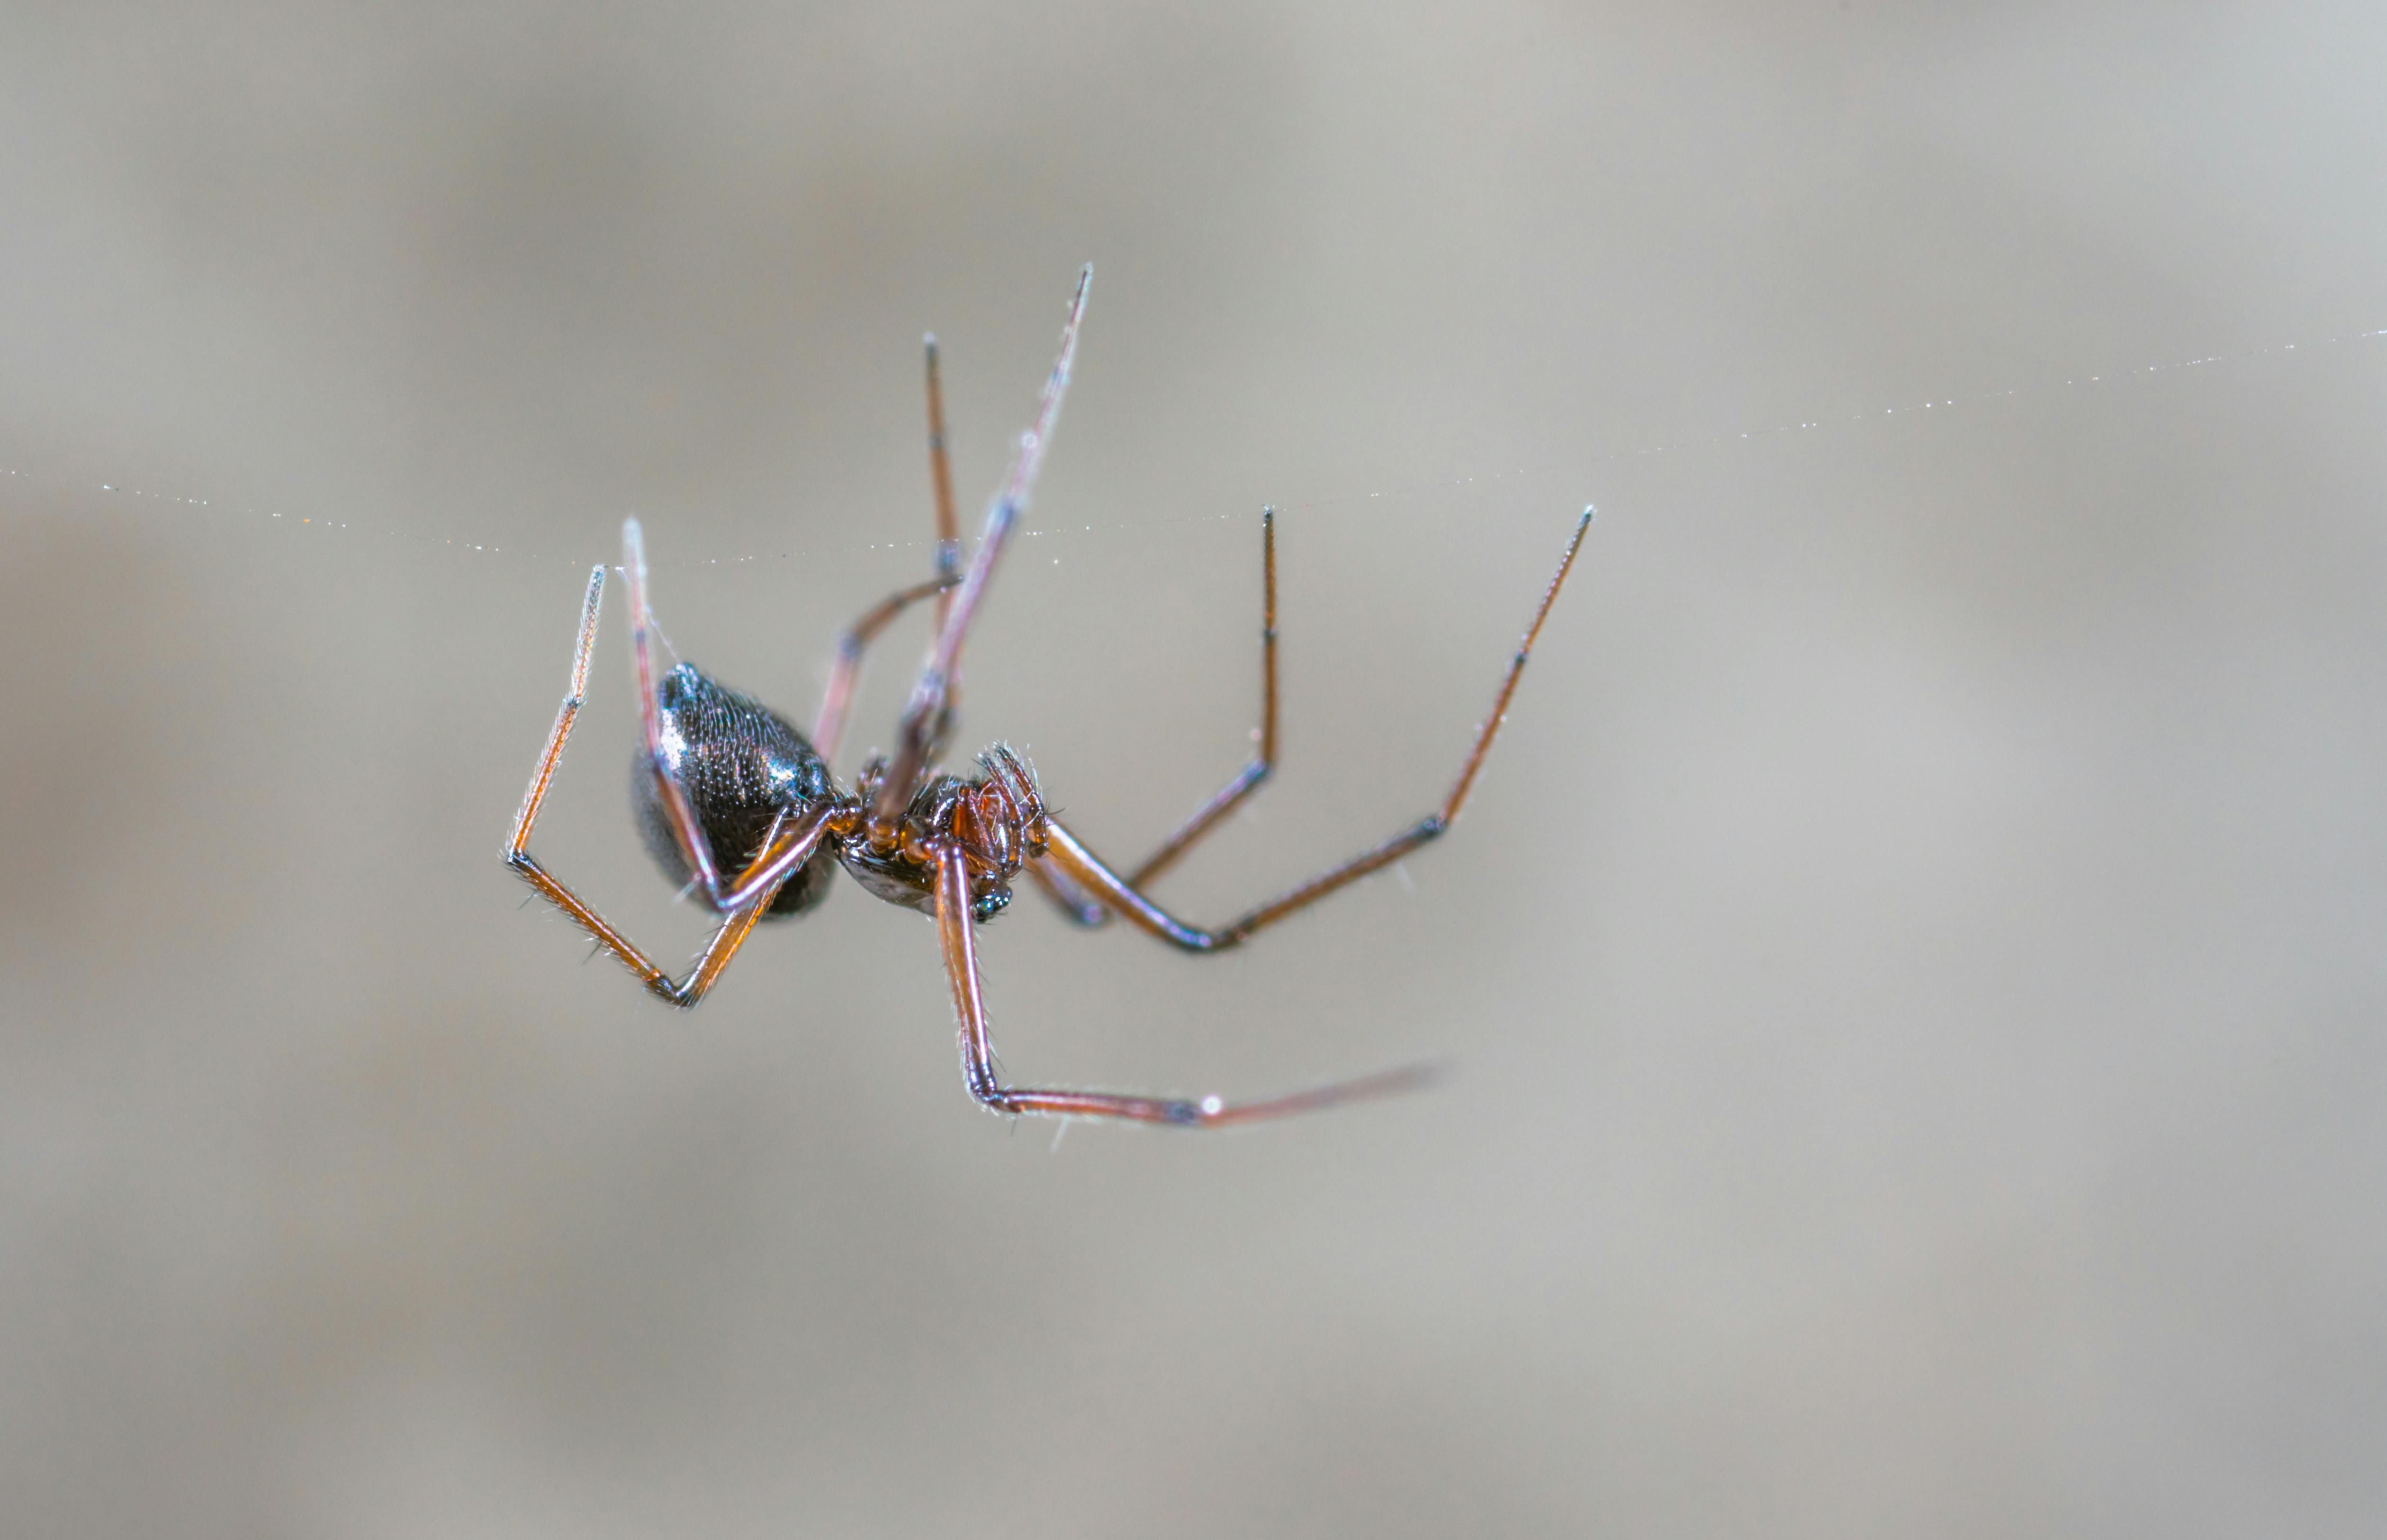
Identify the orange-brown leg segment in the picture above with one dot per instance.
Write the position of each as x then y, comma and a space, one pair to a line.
837, 702
1248, 779
940, 475
772, 866
1208, 1112
1088, 877
1081, 907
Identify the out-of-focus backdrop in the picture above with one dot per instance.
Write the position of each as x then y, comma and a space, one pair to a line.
1913, 969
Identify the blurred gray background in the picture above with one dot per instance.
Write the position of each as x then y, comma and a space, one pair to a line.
1912, 968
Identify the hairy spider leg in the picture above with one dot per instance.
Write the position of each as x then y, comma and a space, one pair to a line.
786, 849
955, 930
1092, 878
926, 717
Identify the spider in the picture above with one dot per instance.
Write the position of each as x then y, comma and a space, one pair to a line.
736, 804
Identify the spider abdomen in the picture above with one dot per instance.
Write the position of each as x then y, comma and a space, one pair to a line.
740, 766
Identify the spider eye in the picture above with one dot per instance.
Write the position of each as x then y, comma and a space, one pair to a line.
987, 906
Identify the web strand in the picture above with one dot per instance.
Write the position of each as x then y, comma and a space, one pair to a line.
31, 480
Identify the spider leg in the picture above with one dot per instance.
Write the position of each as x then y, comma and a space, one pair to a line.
828, 728
726, 943
773, 867
684, 828
927, 715
1094, 878
1079, 906
781, 853
940, 473
1084, 909
949, 533
591, 607
981, 1073
1247, 781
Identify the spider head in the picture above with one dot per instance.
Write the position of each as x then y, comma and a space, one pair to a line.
995, 820
998, 819
989, 831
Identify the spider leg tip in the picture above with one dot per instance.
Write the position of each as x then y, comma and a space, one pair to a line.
1424, 1074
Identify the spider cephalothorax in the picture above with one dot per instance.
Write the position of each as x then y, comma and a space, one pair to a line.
995, 818
745, 813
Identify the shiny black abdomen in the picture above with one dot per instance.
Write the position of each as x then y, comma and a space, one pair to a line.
740, 765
